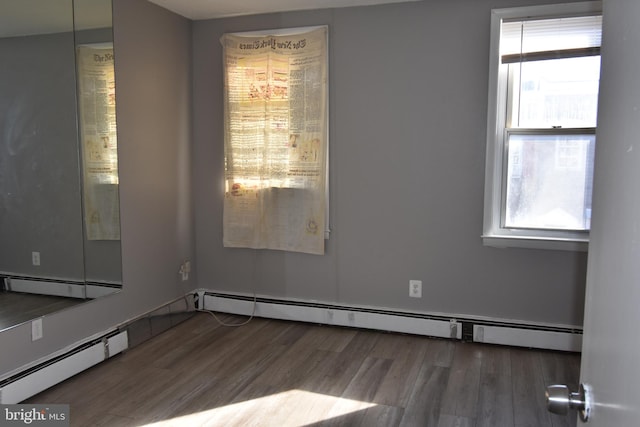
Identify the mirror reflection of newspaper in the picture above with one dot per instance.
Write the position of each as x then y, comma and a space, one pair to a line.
276, 140
97, 113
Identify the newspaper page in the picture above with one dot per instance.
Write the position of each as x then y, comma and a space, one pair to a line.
97, 116
276, 141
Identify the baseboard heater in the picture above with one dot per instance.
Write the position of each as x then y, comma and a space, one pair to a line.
53, 287
468, 329
60, 288
38, 378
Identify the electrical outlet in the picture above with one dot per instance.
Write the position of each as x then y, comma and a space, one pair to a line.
36, 329
185, 269
415, 288
35, 258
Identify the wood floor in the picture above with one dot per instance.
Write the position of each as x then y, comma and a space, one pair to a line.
17, 308
278, 373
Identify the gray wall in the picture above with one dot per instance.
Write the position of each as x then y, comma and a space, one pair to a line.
102, 258
154, 98
408, 107
40, 181
40, 205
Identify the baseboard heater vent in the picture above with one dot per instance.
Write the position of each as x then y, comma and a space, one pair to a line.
474, 330
333, 315
32, 381
40, 286
58, 287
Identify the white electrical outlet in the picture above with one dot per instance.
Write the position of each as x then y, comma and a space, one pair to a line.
185, 269
415, 288
36, 329
35, 258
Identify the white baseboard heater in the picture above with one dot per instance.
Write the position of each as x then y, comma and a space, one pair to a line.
38, 378
492, 331
60, 288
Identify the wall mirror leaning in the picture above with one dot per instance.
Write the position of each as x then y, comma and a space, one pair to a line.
59, 206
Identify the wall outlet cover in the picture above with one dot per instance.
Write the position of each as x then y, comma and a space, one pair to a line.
36, 329
415, 288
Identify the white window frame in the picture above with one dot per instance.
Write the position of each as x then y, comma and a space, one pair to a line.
494, 234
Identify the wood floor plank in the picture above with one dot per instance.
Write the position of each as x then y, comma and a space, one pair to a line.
277, 373
495, 394
455, 421
279, 335
529, 409
300, 357
365, 383
381, 415
440, 352
378, 415
83, 388
407, 354
236, 386
333, 374
18, 307
334, 338
424, 405
561, 369
180, 344
108, 420
461, 394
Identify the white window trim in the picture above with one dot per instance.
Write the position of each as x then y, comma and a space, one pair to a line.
493, 233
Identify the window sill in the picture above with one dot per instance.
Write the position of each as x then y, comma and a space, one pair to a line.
530, 242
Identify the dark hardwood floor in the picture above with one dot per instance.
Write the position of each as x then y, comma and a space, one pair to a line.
278, 373
17, 307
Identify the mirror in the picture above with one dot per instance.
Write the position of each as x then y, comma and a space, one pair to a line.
59, 211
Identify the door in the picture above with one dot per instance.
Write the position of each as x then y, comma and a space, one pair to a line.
611, 346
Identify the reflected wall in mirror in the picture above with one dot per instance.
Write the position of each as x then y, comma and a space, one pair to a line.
52, 171
98, 144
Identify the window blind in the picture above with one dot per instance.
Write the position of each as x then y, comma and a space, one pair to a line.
530, 40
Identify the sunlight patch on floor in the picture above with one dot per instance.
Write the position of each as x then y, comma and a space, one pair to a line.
289, 408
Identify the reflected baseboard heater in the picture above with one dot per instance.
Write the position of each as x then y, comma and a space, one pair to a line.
491, 331
60, 288
38, 378
69, 289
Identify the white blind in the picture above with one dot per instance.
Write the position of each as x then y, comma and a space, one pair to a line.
547, 35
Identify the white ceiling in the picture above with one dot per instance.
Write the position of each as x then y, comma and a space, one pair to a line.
207, 9
24, 17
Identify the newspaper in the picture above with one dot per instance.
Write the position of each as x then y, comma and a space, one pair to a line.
275, 141
97, 115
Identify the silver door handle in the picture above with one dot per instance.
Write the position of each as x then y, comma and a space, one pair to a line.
560, 400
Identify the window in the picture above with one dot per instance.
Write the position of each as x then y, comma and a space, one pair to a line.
276, 139
543, 101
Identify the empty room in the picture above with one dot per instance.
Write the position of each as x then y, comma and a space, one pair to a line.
319, 212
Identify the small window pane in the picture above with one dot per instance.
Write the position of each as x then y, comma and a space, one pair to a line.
549, 180
558, 92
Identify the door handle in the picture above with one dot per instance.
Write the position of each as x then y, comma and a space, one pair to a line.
560, 400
